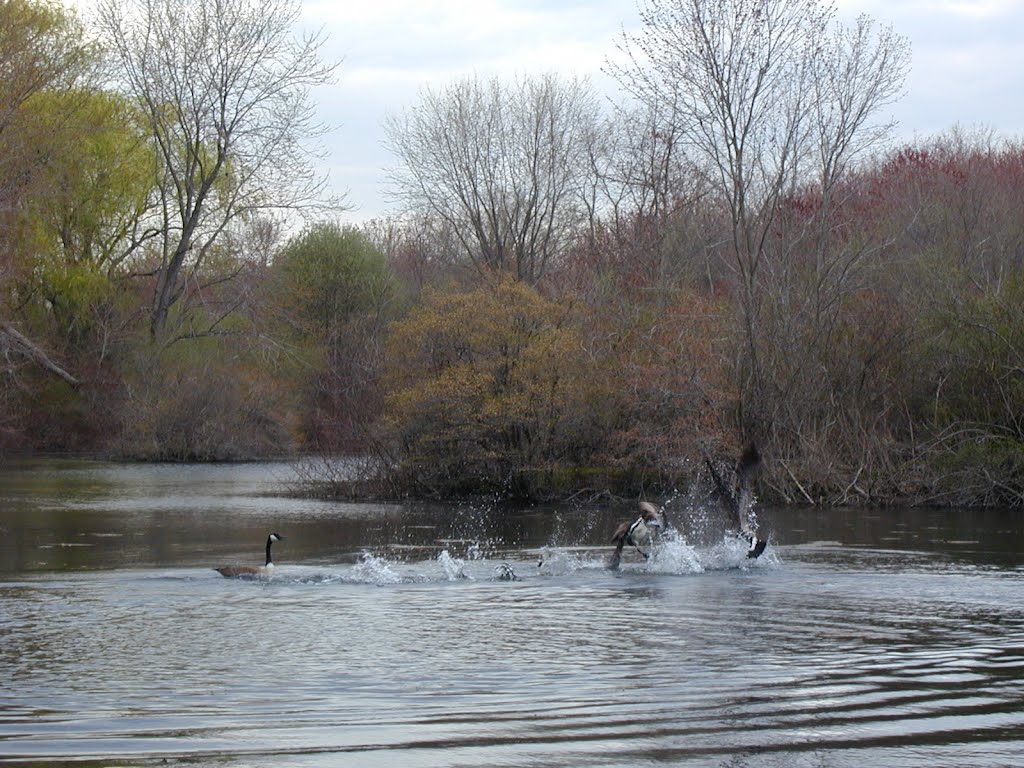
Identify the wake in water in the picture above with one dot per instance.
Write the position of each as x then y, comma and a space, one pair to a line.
648, 542
671, 555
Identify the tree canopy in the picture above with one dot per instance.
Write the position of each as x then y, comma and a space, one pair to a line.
502, 163
572, 300
225, 91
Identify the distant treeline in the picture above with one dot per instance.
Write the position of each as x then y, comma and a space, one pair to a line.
620, 370
573, 301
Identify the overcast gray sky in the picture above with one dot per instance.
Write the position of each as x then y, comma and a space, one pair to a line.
967, 66
967, 63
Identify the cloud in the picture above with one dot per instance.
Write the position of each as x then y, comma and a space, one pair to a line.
967, 67
452, 37
977, 9
968, 62
394, 48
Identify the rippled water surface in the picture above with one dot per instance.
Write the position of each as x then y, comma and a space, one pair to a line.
384, 637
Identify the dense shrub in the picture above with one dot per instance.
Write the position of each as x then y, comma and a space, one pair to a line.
192, 404
490, 389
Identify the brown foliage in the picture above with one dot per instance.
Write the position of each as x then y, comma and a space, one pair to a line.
677, 402
490, 388
196, 405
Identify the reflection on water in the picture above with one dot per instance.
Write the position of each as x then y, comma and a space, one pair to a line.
385, 637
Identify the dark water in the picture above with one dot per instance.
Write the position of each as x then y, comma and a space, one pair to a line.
384, 639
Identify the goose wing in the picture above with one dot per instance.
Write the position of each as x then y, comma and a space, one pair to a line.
737, 500
744, 501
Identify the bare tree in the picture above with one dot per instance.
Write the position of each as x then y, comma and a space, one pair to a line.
646, 192
501, 163
225, 88
768, 95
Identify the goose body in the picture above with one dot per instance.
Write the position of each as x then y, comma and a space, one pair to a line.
637, 532
740, 501
250, 571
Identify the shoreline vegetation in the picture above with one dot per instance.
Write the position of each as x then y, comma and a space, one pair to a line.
575, 298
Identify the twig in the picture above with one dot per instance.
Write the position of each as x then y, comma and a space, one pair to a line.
797, 483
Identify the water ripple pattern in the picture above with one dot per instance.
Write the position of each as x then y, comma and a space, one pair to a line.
403, 663
393, 650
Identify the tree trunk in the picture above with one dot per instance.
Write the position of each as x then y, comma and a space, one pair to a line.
10, 337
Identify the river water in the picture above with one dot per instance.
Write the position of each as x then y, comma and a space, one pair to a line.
384, 637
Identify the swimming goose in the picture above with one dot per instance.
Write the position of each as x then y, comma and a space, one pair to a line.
637, 532
740, 501
252, 570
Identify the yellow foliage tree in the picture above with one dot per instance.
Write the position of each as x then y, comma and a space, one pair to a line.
490, 389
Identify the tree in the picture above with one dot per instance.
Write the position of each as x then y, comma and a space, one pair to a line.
643, 171
768, 96
99, 179
42, 50
674, 392
330, 273
225, 88
959, 270
978, 407
98, 189
503, 164
43, 54
420, 249
490, 389
335, 292
647, 206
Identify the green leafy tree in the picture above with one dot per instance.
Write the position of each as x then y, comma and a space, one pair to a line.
335, 293
43, 50
328, 274
100, 181
44, 55
78, 222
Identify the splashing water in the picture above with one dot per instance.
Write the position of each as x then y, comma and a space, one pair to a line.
374, 570
557, 561
674, 555
731, 552
453, 566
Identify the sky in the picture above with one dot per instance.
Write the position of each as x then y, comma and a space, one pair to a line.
967, 65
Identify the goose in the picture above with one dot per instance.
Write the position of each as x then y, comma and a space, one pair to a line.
740, 501
640, 531
231, 571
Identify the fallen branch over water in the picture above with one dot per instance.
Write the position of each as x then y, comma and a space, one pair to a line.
16, 341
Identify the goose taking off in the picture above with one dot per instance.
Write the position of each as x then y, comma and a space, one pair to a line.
637, 532
231, 571
740, 501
